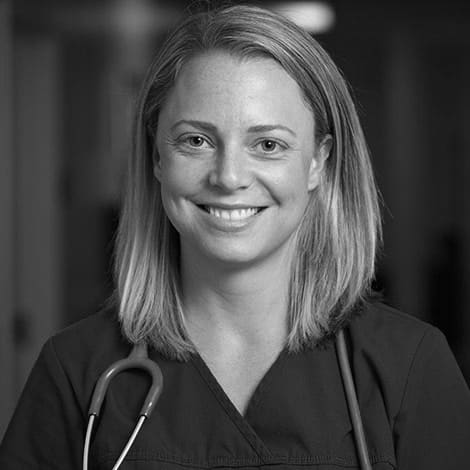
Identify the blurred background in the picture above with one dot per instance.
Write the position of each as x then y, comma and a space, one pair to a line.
69, 73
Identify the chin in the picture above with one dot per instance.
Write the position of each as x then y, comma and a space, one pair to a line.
232, 257
240, 256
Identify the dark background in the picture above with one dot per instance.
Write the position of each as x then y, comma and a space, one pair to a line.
69, 72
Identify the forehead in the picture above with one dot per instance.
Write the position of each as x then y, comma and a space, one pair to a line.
220, 85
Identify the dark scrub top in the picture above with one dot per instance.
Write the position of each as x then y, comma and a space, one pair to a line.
414, 401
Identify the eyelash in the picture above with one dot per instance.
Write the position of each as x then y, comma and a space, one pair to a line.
188, 138
278, 145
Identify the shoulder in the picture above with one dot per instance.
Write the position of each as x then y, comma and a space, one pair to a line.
47, 424
389, 330
92, 335
392, 337
407, 377
82, 351
391, 349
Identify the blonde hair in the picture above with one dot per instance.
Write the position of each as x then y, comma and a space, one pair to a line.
338, 237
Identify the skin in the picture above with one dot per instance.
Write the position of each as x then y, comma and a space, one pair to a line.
213, 152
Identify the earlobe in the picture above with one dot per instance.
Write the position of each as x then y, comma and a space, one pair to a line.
317, 164
157, 170
157, 167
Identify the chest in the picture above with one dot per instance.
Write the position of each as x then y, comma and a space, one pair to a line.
240, 377
242, 415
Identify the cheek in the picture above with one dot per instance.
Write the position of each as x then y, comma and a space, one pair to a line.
180, 177
290, 185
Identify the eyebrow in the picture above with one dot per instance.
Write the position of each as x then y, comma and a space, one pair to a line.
253, 129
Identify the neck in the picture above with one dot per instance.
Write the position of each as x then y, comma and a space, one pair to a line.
242, 307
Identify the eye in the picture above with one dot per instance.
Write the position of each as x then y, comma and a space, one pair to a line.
271, 146
195, 140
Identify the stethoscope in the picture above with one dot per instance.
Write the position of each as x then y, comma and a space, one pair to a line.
138, 359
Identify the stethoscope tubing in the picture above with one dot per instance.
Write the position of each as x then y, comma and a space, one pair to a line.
138, 359
353, 405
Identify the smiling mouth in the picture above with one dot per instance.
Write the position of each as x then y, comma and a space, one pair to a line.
232, 214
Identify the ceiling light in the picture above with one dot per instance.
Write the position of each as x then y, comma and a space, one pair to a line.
314, 17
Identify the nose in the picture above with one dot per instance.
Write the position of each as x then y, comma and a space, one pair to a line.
230, 171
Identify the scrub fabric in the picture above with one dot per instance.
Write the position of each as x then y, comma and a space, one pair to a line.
414, 401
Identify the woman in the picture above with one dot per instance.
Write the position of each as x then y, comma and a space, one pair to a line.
246, 242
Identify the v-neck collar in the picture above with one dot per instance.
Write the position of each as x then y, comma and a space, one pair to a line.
241, 421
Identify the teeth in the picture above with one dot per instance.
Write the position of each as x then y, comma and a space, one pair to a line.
235, 214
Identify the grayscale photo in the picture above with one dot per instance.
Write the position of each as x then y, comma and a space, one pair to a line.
235, 235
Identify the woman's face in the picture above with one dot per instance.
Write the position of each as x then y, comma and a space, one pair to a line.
236, 158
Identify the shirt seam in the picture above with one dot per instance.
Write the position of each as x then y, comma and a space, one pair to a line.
66, 377
408, 377
227, 461
248, 434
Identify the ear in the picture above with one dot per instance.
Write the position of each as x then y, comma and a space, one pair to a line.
318, 161
157, 168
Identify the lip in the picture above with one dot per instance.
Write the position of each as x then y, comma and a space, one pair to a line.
229, 207
226, 225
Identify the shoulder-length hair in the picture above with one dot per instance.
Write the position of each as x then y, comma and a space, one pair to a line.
337, 238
